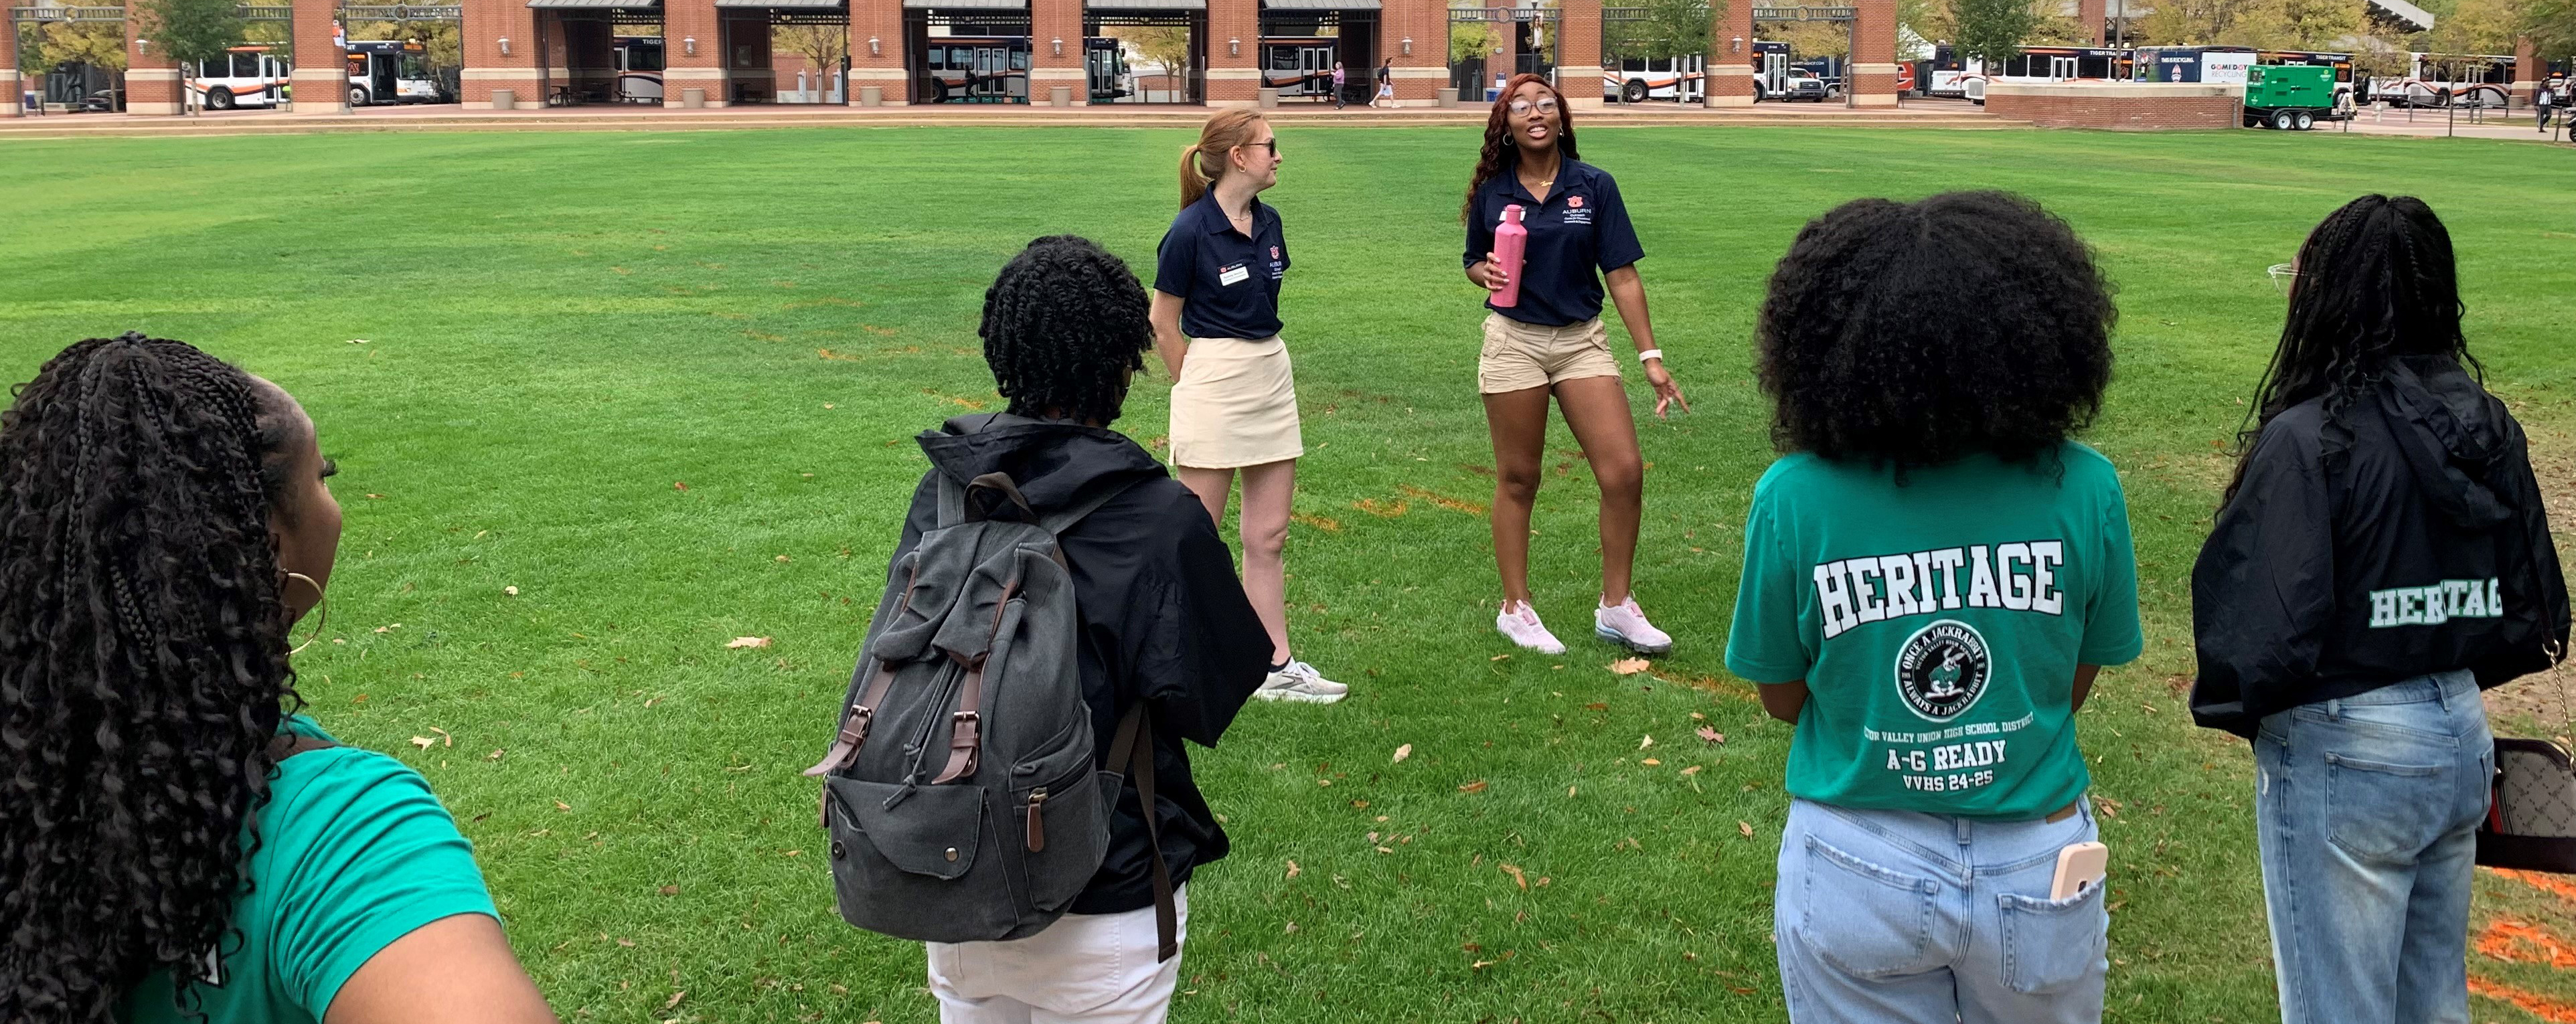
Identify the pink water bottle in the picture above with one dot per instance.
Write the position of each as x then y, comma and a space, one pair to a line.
1510, 241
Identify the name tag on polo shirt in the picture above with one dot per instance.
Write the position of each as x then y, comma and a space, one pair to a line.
1234, 275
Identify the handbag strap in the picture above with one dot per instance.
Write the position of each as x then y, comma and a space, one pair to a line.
1136, 750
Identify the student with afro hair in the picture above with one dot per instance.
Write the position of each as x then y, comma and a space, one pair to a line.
1163, 617
1934, 571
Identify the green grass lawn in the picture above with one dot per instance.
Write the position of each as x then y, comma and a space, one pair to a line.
562, 330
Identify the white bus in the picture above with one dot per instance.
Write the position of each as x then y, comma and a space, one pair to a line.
245, 76
2441, 79
392, 71
639, 68
1638, 79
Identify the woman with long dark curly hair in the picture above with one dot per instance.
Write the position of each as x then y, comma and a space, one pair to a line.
1934, 571
2382, 556
175, 841
1551, 342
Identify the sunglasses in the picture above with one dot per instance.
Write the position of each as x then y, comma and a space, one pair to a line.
1547, 106
2283, 275
1273, 144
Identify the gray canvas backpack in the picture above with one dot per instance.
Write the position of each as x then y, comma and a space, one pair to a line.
962, 794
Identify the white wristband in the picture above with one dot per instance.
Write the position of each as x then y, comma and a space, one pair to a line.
1652, 353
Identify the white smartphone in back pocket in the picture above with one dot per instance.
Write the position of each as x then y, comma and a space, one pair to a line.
2079, 865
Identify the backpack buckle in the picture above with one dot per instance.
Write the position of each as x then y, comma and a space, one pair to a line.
964, 747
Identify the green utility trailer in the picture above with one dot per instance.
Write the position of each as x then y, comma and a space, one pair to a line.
2289, 97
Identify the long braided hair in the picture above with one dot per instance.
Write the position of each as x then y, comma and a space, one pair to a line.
2376, 280
143, 666
1500, 151
1064, 324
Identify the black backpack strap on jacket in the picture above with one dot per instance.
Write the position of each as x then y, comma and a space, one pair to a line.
1134, 748
289, 744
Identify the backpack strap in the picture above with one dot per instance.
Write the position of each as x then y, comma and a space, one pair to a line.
289, 744
1134, 747
854, 723
952, 499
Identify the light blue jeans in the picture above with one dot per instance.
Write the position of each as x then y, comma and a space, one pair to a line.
1894, 916
2367, 811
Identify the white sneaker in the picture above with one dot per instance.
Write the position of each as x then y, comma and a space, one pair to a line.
1523, 627
1299, 682
1625, 624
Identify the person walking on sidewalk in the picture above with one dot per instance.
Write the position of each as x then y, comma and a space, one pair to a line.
1234, 395
1552, 343
1338, 76
1385, 84
2381, 556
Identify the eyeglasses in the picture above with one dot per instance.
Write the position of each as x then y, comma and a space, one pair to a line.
2283, 275
1547, 106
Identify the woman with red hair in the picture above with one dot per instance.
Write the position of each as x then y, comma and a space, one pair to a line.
1551, 342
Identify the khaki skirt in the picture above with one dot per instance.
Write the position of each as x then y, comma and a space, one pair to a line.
1235, 405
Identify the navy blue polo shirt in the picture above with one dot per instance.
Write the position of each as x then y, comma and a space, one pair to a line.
1583, 226
1228, 283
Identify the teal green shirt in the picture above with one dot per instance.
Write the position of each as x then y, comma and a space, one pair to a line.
1937, 625
354, 853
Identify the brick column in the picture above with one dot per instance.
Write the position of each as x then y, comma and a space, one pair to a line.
151, 78
879, 22
1053, 23
2528, 72
2089, 18
1234, 53
1873, 77
1578, 53
487, 23
1730, 60
684, 20
321, 75
1419, 75
1505, 57
12, 98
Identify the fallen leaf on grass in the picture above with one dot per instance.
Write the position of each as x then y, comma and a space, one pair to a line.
1569, 792
1294, 870
423, 742
1745, 827
1403, 752
1498, 657
1692, 770
1596, 706
628, 943
740, 642
1645, 741
1518, 878
1477, 786
1697, 717
562, 806
1650, 762
674, 1001
1630, 666
495, 755
2108, 807
450, 740
511, 591
679, 485
1709, 735
669, 890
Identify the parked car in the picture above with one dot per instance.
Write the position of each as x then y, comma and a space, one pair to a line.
1802, 84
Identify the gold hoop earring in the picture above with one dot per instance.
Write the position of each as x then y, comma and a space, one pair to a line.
321, 610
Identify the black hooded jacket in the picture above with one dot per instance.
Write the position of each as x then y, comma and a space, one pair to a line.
2403, 538
1164, 618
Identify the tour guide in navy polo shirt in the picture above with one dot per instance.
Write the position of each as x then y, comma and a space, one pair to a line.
1552, 342
1234, 397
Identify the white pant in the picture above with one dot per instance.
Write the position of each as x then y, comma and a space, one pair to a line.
1091, 968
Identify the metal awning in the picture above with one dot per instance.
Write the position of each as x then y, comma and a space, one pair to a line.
2404, 13
1319, 5
595, 5
1146, 5
783, 5
967, 5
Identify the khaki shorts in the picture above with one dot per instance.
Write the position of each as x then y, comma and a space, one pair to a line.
1521, 356
1235, 405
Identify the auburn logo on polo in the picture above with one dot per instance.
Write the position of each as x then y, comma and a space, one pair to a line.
1274, 252
1574, 201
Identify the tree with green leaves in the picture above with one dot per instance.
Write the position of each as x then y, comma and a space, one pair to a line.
188, 31
1991, 30
1678, 28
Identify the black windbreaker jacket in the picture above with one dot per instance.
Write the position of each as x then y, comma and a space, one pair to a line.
1164, 618
2405, 540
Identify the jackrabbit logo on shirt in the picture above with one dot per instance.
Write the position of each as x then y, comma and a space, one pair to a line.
1943, 669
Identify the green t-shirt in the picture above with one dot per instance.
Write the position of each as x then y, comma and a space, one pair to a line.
1937, 625
355, 852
